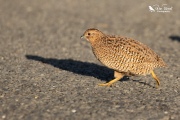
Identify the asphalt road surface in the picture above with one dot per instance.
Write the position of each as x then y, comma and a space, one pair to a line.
48, 72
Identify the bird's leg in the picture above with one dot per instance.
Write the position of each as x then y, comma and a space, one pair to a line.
155, 77
117, 76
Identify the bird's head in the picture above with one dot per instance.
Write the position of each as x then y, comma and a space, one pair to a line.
92, 34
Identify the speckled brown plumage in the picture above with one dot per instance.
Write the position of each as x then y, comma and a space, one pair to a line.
125, 55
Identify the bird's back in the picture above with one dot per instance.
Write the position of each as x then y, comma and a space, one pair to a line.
126, 55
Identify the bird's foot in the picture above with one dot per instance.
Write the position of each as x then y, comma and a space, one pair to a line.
118, 77
109, 84
156, 78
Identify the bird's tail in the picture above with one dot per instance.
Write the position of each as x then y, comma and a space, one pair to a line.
161, 63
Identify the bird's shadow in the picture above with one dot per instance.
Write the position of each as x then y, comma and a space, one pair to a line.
175, 38
144, 83
78, 67
82, 68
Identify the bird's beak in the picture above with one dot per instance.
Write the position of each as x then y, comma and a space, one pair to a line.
82, 37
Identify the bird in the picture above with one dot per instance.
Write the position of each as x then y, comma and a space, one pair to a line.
126, 56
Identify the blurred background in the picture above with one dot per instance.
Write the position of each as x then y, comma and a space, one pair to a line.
48, 72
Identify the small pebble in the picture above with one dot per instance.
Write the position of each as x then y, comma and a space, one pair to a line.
4, 116
73, 110
166, 112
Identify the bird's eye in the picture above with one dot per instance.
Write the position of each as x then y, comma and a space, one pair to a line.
89, 33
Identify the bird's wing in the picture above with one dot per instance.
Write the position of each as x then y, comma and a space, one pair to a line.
132, 49
128, 52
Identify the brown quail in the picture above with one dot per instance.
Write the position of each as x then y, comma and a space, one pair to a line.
126, 56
